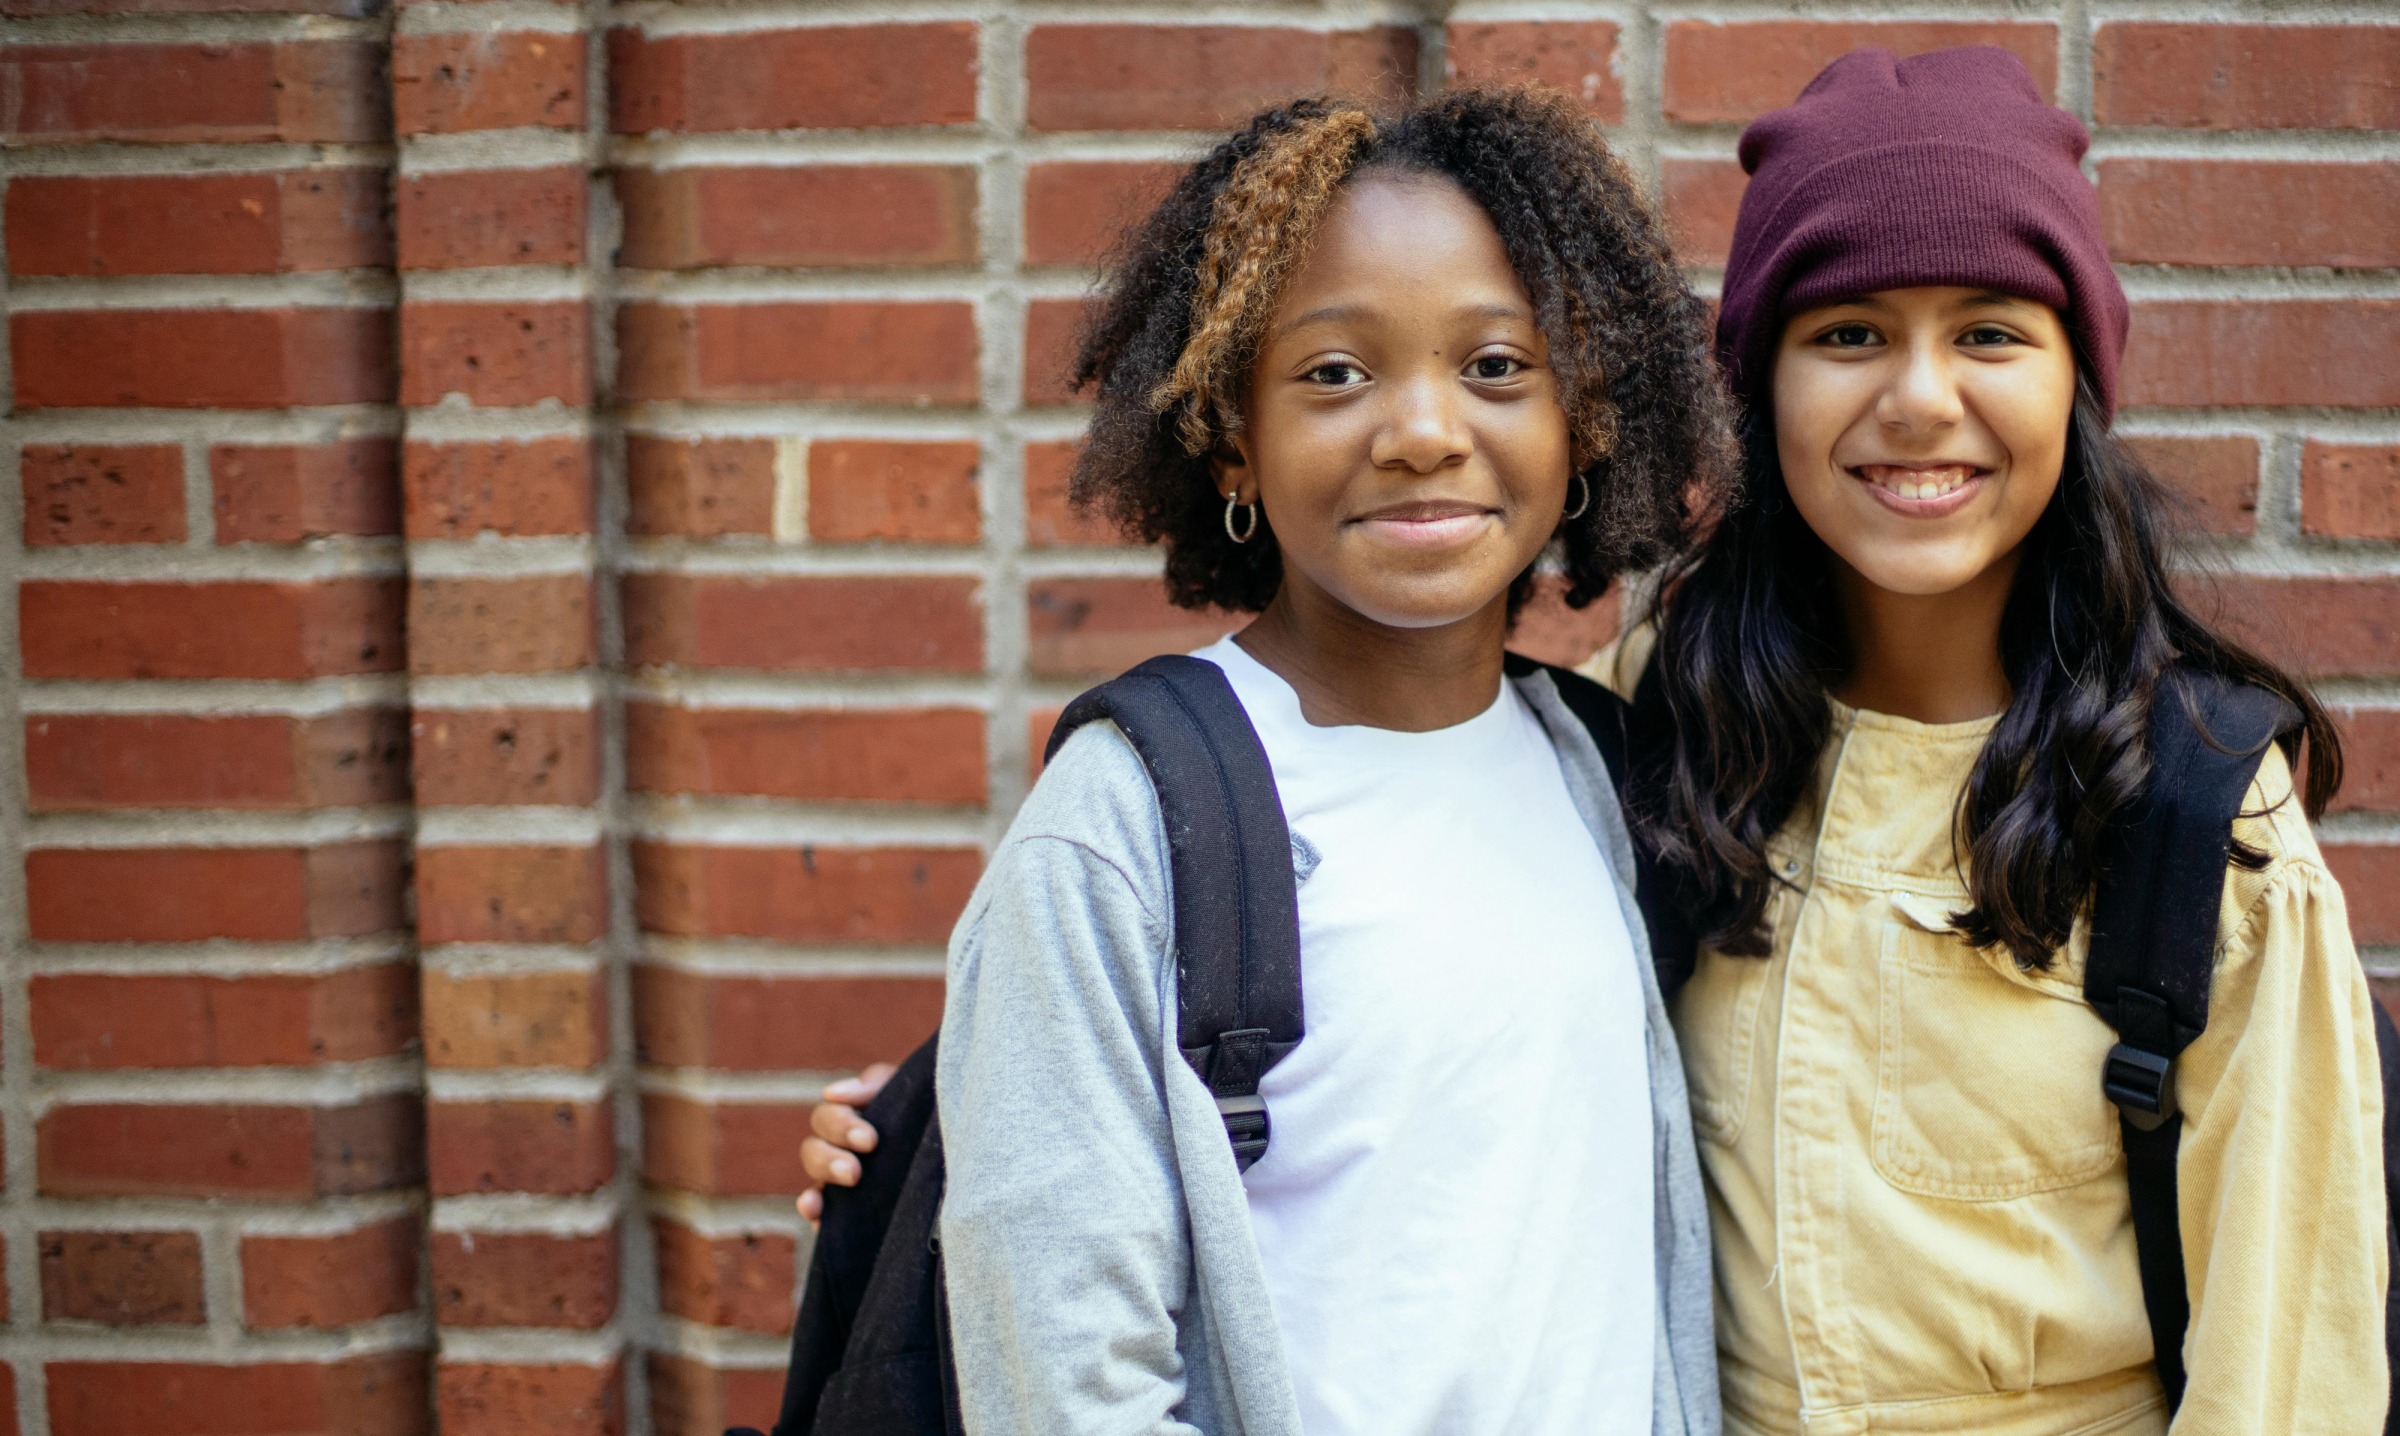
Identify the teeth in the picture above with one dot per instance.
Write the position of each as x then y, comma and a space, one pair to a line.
1918, 484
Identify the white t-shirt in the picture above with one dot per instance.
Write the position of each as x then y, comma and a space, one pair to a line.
1455, 1210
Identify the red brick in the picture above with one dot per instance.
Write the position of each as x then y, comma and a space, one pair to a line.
553, 1399
349, 9
511, 894
1719, 72
285, 894
699, 488
338, 1279
2217, 479
284, 493
805, 894
866, 489
2168, 211
762, 1024
868, 216
1577, 56
557, 1017
524, 1279
103, 493
1548, 630
745, 1281
557, 1148
201, 358
496, 354
1080, 627
1052, 327
443, 84
97, 1021
2333, 352
2370, 760
824, 77
485, 757
226, 1150
356, 756
296, 91
520, 488
1703, 198
811, 624
280, 223
723, 1149
2318, 627
899, 755
848, 351
1038, 726
2350, 490
2247, 77
1075, 209
1202, 77
470, 218
123, 1278
376, 1395
500, 625
73, 629
691, 1398
2370, 877
1050, 520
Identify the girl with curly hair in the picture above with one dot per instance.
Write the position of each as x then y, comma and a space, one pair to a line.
1357, 374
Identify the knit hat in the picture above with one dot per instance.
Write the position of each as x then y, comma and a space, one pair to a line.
1943, 168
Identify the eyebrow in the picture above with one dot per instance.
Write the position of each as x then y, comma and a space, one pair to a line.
1340, 313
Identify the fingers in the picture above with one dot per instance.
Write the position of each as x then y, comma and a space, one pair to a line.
839, 1126
828, 1164
812, 1206
860, 1090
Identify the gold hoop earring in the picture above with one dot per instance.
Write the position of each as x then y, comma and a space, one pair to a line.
1249, 531
1585, 503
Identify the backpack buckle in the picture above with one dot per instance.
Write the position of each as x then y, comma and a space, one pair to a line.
2142, 1084
1246, 1126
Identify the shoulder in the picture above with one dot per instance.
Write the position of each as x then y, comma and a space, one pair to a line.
1619, 666
1095, 797
2272, 825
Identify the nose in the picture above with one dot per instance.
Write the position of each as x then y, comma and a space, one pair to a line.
1423, 428
1921, 396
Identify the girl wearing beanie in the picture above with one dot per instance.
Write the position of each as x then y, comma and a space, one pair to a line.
1910, 677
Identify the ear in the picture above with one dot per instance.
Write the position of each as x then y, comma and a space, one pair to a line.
1230, 470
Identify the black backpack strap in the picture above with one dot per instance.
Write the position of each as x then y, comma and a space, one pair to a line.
2153, 950
1631, 737
1237, 914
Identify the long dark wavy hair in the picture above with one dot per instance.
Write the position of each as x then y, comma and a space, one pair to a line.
1751, 642
1191, 288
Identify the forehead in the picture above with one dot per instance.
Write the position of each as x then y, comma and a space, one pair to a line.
1397, 239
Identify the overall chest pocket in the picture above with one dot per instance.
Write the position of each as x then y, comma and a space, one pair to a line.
1988, 1084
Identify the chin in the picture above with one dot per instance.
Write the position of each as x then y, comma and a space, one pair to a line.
1921, 580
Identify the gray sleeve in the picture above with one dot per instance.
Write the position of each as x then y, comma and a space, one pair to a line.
1063, 1224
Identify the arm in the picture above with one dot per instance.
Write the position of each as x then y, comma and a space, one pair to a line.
1063, 1230
2280, 1173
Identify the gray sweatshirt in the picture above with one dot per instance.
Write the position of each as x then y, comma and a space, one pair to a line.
1102, 1273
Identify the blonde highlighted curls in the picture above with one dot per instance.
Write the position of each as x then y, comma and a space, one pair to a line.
1259, 227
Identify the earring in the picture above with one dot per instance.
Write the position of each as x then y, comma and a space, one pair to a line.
1580, 504
1249, 531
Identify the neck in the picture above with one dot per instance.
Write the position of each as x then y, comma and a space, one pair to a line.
1349, 669
1931, 657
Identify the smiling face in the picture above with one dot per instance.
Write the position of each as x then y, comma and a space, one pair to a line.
1402, 422
1922, 431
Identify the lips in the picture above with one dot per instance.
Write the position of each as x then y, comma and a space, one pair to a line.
1426, 523
1926, 491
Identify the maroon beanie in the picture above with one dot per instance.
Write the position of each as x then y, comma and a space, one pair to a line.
1944, 168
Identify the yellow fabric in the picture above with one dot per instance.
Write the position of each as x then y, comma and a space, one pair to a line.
1917, 1188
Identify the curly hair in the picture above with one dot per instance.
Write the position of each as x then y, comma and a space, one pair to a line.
1194, 285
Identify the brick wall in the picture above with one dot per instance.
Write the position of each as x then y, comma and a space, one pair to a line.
540, 568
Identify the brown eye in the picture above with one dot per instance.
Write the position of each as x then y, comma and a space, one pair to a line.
1496, 367
1985, 336
1848, 336
1337, 375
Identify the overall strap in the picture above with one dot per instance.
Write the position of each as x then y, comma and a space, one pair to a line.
1229, 855
2153, 951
